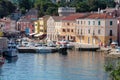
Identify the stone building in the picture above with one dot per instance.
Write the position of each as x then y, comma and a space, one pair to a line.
97, 28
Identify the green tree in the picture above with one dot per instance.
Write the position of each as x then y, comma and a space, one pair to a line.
25, 5
114, 71
6, 8
82, 7
51, 11
45, 7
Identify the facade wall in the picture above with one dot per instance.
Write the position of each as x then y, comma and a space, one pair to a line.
118, 32
51, 29
24, 26
58, 25
96, 31
41, 26
68, 30
36, 26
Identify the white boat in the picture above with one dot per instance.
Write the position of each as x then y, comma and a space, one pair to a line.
68, 44
46, 49
11, 50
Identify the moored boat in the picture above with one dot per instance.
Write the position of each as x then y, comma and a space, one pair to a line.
37, 49
2, 60
62, 48
68, 44
11, 50
46, 49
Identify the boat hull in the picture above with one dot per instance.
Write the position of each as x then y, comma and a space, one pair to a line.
26, 51
62, 50
89, 49
37, 49
10, 53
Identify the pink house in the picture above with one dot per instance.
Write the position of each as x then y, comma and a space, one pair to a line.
5, 24
25, 23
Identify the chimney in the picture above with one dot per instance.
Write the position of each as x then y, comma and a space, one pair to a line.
98, 10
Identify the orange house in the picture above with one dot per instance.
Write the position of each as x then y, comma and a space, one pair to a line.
68, 29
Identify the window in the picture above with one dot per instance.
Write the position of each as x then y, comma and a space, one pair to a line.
89, 31
71, 30
111, 33
81, 31
88, 22
68, 24
78, 22
110, 41
2, 25
111, 23
99, 31
68, 30
35, 24
93, 32
78, 31
63, 30
81, 22
99, 23
93, 22
88, 40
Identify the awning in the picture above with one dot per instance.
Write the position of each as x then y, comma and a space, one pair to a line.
114, 43
32, 34
37, 35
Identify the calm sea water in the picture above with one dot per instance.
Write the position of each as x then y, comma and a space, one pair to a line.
75, 65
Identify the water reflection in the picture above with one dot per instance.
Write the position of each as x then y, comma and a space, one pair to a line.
113, 61
11, 59
64, 53
73, 65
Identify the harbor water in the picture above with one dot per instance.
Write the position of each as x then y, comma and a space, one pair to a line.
75, 65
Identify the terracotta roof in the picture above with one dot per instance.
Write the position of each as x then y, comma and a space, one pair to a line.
32, 12
99, 16
75, 16
58, 18
110, 9
5, 20
24, 20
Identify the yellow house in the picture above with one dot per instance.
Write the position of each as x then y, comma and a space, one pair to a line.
97, 29
1, 33
36, 27
41, 26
